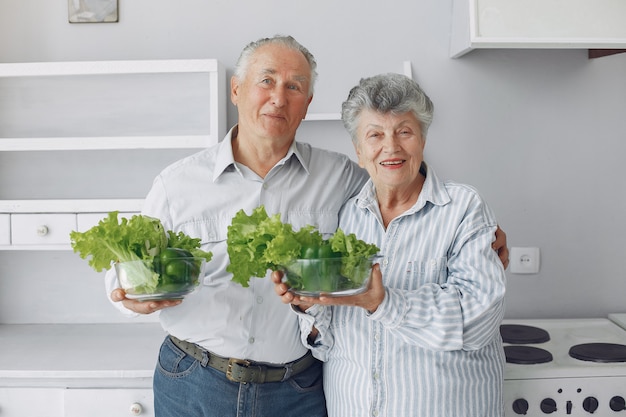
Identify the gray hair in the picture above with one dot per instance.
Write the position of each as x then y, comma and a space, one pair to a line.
387, 93
243, 63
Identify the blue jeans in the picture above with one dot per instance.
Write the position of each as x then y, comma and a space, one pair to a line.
183, 388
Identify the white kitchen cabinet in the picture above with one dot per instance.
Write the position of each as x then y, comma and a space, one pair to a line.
42, 228
151, 104
83, 370
108, 402
546, 24
100, 105
31, 402
46, 224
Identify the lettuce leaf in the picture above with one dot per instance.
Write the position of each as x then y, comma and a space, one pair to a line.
134, 239
257, 242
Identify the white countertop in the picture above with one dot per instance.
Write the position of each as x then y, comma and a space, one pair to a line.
83, 355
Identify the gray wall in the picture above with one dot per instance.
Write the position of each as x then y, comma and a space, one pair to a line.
539, 132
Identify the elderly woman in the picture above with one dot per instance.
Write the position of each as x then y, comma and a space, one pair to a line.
423, 340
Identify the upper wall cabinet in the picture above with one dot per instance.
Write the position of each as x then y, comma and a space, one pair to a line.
548, 24
112, 105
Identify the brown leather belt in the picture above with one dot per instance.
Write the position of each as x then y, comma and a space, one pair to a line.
242, 370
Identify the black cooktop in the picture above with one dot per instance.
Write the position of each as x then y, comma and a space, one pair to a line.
599, 352
526, 355
521, 334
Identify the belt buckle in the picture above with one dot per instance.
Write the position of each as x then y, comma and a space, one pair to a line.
229, 370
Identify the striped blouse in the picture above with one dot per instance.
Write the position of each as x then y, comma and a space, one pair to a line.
433, 346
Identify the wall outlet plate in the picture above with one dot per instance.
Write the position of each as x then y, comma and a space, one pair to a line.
524, 260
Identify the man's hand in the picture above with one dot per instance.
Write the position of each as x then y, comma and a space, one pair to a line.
282, 290
499, 245
141, 307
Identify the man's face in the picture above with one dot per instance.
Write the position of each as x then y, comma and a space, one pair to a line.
273, 97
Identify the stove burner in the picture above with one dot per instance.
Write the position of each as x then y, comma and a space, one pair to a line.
526, 355
521, 334
599, 352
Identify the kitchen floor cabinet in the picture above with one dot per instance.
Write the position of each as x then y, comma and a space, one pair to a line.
72, 370
108, 402
31, 402
75, 402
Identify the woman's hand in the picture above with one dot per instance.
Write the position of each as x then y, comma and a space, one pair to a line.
141, 307
369, 300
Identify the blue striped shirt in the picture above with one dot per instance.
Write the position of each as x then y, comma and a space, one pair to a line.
432, 348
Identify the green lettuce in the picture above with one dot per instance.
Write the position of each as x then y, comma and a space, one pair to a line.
258, 242
140, 238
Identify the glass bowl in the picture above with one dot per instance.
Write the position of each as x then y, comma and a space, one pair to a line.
328, 276
153, 280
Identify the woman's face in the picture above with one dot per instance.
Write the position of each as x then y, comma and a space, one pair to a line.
390, 147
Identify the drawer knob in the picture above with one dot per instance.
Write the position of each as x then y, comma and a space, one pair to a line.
136, 409
42, 230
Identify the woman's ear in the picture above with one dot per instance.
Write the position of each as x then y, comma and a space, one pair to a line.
355, 143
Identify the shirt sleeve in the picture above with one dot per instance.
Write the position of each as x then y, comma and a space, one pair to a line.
319, 317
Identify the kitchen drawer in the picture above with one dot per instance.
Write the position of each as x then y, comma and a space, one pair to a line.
85, 221
5, 229
31, 402
108, 402
42, 228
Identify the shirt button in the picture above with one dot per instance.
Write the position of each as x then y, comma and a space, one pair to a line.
385, 261
251, 340
259, 300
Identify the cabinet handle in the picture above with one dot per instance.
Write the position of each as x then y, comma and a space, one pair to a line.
42, 230
136, 409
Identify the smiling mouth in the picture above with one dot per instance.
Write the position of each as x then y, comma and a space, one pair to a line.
392, 163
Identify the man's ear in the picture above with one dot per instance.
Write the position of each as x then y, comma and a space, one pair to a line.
234, 89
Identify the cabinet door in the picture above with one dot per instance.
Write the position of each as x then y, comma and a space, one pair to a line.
109, 402
31, 402
42, 228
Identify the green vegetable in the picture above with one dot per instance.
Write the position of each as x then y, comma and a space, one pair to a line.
142, 239
258, 242
355, 253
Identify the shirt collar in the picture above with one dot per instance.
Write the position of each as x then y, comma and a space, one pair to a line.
433, 191
225, 158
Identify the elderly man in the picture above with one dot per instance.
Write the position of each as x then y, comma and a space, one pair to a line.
235, 351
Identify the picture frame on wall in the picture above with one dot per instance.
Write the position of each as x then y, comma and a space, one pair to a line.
93, 11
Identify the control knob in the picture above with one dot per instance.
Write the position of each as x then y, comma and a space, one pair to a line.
590, 404
520, 406
548, 405
617, 403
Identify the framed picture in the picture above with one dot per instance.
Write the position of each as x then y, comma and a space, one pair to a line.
92, 11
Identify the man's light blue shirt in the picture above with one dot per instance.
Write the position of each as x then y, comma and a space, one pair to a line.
199, 195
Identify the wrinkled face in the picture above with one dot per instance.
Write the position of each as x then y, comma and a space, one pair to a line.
273, 97
390, 147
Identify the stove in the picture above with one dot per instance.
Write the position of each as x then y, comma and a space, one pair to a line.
565, 367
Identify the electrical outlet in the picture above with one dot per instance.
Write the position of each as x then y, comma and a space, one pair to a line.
524, 260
